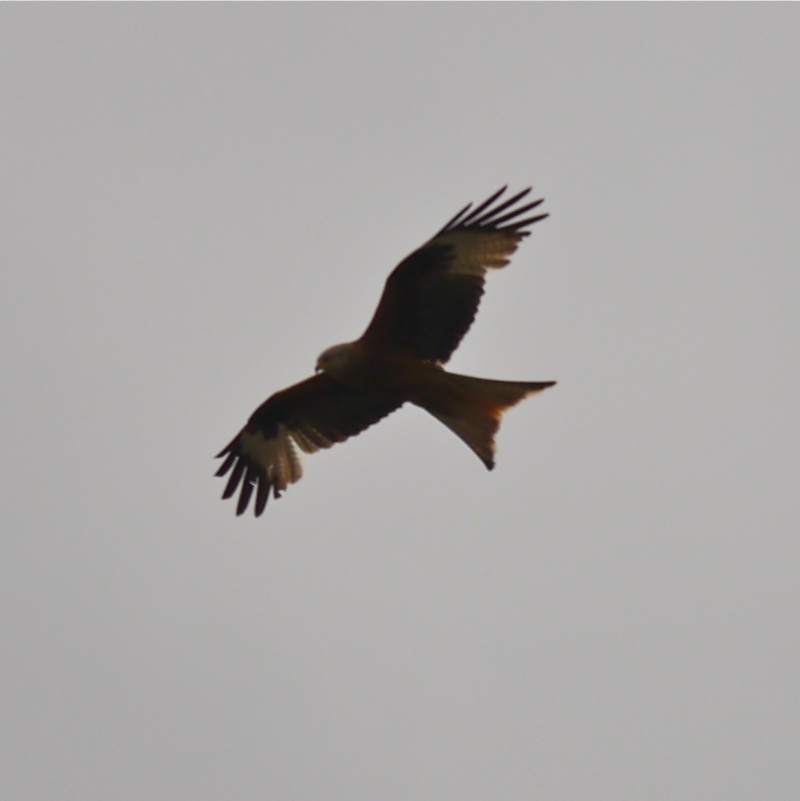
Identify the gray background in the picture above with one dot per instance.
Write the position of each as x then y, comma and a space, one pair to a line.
197, 199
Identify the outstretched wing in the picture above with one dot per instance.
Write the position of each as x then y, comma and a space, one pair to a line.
432, 296
310, 415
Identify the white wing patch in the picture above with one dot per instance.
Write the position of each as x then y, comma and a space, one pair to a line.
276, 457
485, 237
478, 251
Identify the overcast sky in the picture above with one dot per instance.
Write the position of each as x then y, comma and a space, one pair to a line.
197, 200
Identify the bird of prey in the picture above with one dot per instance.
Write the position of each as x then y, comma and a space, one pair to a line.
428, 304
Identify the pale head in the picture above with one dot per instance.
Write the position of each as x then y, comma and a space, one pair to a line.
336, 360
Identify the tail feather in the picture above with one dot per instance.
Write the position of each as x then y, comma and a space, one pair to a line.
473, 407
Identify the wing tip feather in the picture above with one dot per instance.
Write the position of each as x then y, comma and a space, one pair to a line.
485, 217
246, 478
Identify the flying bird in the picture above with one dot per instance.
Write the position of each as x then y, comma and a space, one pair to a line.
428, 304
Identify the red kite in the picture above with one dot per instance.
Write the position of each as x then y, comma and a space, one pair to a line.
428, 304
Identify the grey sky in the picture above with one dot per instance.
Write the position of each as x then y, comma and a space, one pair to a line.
197, 200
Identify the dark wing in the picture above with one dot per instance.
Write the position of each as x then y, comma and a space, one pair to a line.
310, 415
432, 296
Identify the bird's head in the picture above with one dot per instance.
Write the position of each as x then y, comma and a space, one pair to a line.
335, 360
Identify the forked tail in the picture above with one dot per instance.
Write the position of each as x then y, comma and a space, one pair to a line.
472, 407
